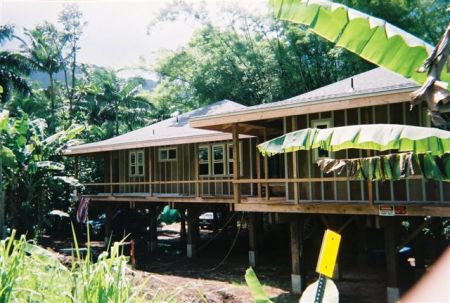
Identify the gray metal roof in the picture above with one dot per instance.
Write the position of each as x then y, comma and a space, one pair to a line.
372, 82
175, 130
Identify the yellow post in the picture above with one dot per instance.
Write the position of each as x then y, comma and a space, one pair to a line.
328, 253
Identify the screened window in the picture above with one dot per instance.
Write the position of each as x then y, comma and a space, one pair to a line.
167, 154
219, 159
203, 160
136, 163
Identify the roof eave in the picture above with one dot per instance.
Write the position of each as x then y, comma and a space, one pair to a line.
236, 117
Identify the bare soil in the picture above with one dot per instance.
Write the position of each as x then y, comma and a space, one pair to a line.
210, 277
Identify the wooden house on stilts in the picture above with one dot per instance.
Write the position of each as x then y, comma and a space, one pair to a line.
209, 157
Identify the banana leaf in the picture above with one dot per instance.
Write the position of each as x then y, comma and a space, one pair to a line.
373, 39
389, 167
381, 137
258, 293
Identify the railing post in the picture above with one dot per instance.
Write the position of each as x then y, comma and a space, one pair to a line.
110, 172
236, 164
258, 169
266, 168
197, 173
295, 165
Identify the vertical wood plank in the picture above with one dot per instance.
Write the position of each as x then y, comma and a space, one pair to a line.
368, 154
196, 171
110, 171
266, 169
236, 164
295, 164
258, 168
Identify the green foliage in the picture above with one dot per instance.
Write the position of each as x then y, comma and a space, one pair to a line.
32, 166
29, 273
251, 60
258, 293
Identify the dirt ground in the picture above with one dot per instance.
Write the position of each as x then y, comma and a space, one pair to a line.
209, 277
212, 277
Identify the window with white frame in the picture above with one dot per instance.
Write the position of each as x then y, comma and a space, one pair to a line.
203, 160
218, 152
320, 124
167, 154
136, 163
230, 158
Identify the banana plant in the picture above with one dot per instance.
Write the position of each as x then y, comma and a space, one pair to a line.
379, 42
31, 166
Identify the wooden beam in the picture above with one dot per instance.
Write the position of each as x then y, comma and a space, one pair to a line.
266, 168
258, 169
252, 239
355, 208
295, 164
236, 164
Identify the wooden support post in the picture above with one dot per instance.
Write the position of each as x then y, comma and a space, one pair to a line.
108, 214
236, 164
266, 169
296, 254
197, 173
111, 171
150, 167
193, 231
153, 228
362, 242
252, 239
183, 224
258, 169
392, 266
295, 165
369, 153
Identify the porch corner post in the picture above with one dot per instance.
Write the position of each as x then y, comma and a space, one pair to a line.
392, 266
236, 164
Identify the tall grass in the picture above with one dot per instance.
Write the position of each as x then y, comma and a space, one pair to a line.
29, 273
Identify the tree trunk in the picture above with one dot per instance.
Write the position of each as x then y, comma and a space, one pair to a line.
2, 200
52, 104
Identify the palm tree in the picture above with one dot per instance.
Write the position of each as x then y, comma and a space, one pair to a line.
43, 48
13, 68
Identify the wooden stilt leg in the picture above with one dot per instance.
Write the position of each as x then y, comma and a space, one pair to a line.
108, 215
193, 231
252, 237
296, 249
390, 240
153, 229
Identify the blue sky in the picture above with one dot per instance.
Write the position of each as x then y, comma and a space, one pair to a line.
116, 34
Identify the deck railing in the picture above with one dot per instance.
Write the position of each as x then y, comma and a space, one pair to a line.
292, 190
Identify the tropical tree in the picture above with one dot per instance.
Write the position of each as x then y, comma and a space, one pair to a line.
13, 68
43, 46
378, 42
112, 104
33, 175
253, 59
71, 18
